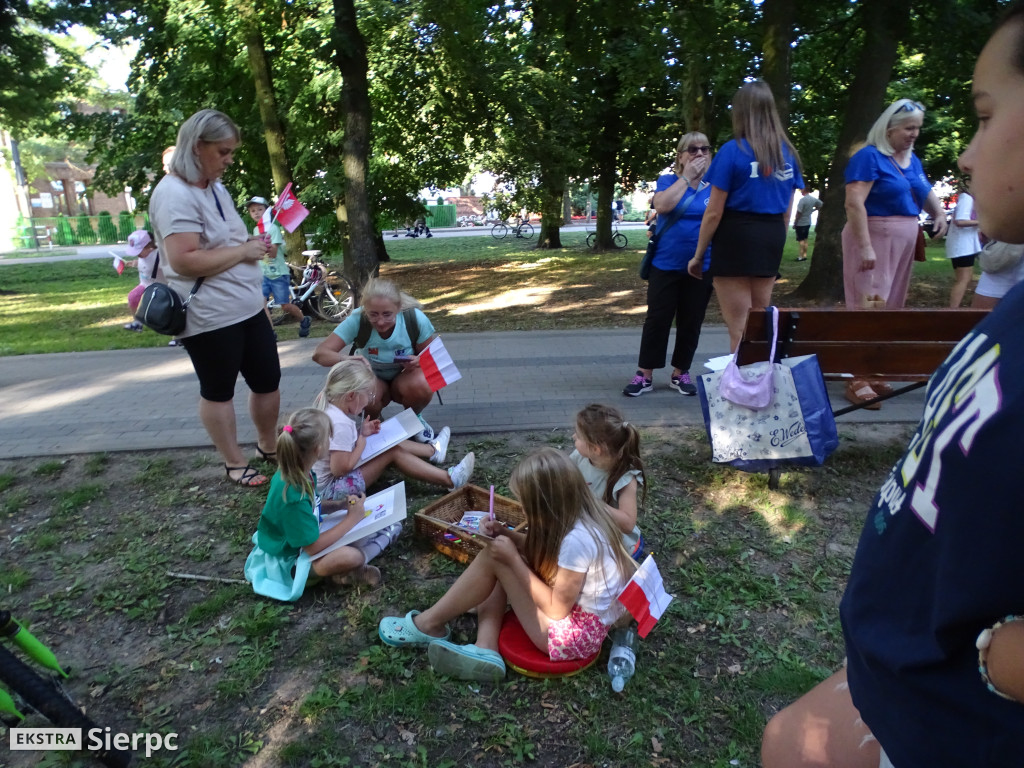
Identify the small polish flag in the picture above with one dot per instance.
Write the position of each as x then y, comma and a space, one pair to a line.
263, 225
437, 366
645, 596
288, 211
118, 264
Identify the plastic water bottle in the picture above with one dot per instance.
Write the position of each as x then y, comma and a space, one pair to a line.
622, 659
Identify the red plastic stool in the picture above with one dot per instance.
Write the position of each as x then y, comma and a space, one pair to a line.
523, 656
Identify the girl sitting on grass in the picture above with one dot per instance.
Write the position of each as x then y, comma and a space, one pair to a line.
608, 454
288, 532
349, 389
562, 577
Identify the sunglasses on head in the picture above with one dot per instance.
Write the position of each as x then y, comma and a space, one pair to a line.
911, 106
697, 150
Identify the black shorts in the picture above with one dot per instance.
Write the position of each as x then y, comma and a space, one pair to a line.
802, 233
748, 244
247, 347
963, 261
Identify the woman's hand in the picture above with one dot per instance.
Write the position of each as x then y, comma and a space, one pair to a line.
370, 427
409, 362
695, 267
867, 258
693, 169
491, 528
254, 250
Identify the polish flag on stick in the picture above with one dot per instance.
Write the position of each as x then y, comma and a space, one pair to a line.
645, 596
437, 366
263, 225
288, 211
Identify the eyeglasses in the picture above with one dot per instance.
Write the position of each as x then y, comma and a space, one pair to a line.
911, 106
697, 150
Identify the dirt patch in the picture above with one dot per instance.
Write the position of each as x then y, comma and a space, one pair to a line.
89, 544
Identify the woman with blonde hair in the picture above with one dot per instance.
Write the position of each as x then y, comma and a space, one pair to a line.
886, 188
200, 235
680, 201
390, 331
752, 179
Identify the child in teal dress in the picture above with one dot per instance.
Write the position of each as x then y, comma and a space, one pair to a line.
288, 533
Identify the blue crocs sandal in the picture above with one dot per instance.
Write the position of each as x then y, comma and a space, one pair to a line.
400, 631
466, 662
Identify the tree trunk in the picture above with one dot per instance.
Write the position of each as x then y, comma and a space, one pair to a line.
552, 197
358, 233
885, 23
779, 32
273, 130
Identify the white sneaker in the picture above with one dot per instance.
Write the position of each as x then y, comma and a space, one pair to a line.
426, 434
462, 471
440, 446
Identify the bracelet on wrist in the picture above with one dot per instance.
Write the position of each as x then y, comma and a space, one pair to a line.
982, 643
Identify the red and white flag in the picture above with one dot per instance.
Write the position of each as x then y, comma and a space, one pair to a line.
263, 225
118, 263
437, 366
288, 211
645, 596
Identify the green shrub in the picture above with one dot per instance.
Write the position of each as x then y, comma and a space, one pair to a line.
125, 225
107, 230
86, 234
64, 235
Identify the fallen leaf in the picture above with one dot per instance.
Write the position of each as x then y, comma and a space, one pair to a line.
655, 745
735, 668
407, 736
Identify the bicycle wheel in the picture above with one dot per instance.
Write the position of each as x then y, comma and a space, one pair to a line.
620, 241
49, 699
334, 301
498, 231
526, 230
591, 239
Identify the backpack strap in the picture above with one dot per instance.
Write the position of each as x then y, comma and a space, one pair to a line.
412, 326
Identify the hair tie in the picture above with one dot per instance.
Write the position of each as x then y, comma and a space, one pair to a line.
287, 428
625, 424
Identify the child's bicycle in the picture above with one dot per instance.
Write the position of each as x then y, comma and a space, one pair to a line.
45, 695
327, 295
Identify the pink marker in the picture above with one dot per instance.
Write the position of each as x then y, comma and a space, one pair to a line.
491, 508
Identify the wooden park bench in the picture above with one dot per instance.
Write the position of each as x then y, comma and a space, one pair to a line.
904, 345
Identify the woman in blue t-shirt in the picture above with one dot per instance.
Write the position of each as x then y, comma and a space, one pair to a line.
389, 347
752, 182
680, 201
886, 188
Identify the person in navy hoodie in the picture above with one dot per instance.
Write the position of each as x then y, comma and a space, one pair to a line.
752, 179
933, 614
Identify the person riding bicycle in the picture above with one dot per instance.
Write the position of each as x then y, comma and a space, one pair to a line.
276, 274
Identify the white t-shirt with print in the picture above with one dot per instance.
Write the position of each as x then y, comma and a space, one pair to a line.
346, 433
581, 553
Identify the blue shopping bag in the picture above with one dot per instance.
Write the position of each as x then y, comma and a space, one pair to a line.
795, 428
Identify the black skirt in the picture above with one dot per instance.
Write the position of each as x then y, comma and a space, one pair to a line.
748, 244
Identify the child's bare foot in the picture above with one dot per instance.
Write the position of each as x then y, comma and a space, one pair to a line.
364, 574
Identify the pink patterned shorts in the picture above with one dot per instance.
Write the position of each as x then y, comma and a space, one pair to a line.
577, 636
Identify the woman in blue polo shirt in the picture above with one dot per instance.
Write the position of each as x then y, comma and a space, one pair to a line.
752, 182
672, 293
886, 187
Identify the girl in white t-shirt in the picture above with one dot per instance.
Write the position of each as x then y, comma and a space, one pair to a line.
346, 394
608, 454
562, 577
962, 246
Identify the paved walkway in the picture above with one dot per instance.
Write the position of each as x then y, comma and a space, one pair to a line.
142, 399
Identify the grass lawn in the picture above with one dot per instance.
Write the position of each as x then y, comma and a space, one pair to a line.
757, 574
465, 283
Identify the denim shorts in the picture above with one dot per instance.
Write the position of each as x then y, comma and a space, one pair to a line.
278, 287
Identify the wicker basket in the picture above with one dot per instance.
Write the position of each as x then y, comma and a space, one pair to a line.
430, 521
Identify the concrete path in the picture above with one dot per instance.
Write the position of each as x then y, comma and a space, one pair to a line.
143, 399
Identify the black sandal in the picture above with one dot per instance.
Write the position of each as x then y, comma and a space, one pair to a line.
248, 478
270, 456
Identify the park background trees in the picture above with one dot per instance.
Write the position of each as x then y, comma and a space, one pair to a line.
362, 103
